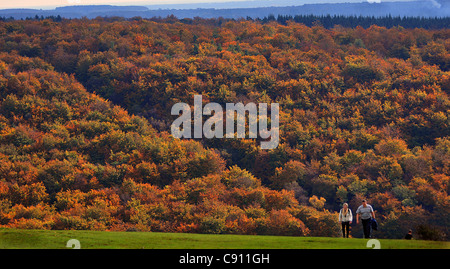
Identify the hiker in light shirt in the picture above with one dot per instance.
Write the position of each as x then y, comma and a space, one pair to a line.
365, 211
345, 218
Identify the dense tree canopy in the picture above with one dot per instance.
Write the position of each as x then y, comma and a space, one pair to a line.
85, 121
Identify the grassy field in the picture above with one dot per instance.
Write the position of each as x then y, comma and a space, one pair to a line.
44, 239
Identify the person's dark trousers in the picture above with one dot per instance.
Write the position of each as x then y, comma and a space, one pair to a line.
345, 227
366, 227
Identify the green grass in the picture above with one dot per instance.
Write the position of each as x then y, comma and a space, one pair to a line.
45, 239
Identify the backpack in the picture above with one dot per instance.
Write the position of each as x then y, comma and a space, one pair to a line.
374, 224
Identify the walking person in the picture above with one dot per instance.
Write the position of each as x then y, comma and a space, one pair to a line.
409, 235
345, 218
365, 212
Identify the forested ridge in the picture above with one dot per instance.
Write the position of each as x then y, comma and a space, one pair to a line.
85, 122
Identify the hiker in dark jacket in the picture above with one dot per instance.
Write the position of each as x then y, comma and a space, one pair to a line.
409, 235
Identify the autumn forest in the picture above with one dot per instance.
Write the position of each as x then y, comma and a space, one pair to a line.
85, 118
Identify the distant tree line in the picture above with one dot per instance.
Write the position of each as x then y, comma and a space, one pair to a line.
57, 18
327, 21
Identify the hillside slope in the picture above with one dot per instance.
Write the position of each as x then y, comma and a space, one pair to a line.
364, 114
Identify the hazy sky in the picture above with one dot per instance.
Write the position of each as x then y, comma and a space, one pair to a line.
54, 3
